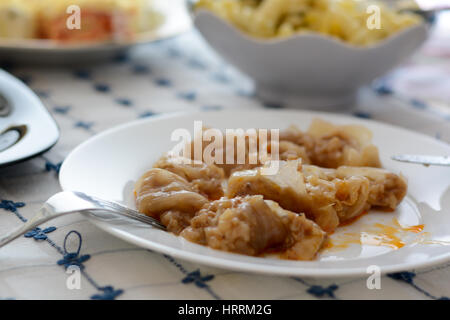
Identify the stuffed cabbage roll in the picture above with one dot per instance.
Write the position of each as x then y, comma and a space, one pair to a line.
204, 178
159, 190
331, 146
252, 226
326, 196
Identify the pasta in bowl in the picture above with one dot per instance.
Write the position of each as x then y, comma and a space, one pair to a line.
310, 53
354, 22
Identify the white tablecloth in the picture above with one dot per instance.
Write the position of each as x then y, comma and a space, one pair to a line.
182, 74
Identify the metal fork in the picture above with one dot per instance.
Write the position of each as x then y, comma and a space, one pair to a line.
72, 202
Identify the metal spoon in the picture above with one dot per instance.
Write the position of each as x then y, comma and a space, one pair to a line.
72, 202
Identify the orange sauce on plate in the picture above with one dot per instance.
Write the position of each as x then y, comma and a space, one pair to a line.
374, 235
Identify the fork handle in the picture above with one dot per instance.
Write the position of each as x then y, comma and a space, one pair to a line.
43, 215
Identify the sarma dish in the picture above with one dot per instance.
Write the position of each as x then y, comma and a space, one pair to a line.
325, 177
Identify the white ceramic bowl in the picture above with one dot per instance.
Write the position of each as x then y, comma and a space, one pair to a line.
311, 70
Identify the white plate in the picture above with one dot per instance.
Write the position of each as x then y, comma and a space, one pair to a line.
108, 165
176, 21
38, 129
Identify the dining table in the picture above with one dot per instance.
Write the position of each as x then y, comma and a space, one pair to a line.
183, 74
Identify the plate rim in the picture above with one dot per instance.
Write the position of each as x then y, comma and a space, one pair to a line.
43, 45
242, 266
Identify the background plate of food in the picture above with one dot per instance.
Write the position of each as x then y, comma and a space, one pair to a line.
342, 209
47, 31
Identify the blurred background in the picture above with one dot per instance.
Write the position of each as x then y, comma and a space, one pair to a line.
95, 78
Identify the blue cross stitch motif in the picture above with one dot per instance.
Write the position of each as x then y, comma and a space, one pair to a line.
61, 109
146, 114
220, 77
12, 206
196, 278
418, 104
319, 291
49, 166
39, 234
124, 102
102, 87
173, 53
73, 259
196, 64
211, 108
403, 276
188, 96
163, 82
108, 293
382, 89
141, 69
82, 74
408, 277
84, 125
42, 94
362, 115
121, 58
273, 105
